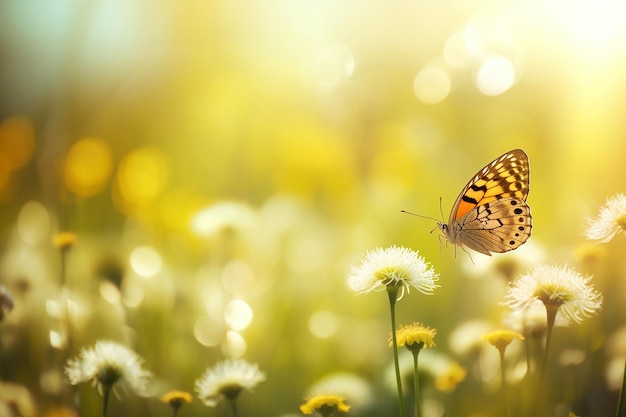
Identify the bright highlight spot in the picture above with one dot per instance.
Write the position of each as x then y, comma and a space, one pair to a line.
495, 76
431, 85
208, 332
238, 314
235, 345
146, 261
56, 339
323, 324
17, 143
456, 52
33, 223
142, 176
109, 292
133, 295
88, 166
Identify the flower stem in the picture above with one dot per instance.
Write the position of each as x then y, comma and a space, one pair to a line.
416, 382
551, 316
621, 407
105, 400
392, 292
233, 406
503, 384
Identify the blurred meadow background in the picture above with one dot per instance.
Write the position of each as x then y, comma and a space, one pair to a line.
223, 164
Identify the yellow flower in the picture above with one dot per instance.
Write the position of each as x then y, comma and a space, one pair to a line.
448, 380
502, 338
325, 405
64, 240
176, 398
415, 336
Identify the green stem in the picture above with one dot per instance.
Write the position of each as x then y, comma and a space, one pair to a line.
392, 292
551, 316
105, 400
416, 381
503, 385
621, 407
233, 406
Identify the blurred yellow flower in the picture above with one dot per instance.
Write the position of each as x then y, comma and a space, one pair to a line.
326, 405
17, 143
88, 166
415, 336
610, 221
502, 338
394, 266
64, 240
448, 380
176, 399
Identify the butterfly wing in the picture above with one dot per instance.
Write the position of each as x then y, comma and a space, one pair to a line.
485, 215
497, 226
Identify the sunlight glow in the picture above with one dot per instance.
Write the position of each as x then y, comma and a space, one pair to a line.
431, 85
235, 345
146, 261
495, 76
238, 314
329, 66
33, 222
88, 166
208, 332
323, 324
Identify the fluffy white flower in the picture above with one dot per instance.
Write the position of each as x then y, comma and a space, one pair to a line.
226, 380
612, 219
558, 287
108, 364
393, 266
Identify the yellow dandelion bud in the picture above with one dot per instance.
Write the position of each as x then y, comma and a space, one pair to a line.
502, 338
64, 240
325, 405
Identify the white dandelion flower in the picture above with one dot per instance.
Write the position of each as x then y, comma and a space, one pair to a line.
394, 266
611, 220
109, 365
556, 287
226, 380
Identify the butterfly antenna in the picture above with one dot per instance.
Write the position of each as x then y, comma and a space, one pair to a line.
419, 215
441, 208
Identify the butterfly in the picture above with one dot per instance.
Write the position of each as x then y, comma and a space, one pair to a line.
490, 214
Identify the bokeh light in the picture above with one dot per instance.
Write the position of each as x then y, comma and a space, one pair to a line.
495, 76
17, 143
432, 85
141, 177
88, 166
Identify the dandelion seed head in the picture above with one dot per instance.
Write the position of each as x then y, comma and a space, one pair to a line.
556, 287
107, 365
394, 266
610, 221
226, 380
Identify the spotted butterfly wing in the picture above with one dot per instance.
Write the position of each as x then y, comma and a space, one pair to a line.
491, 214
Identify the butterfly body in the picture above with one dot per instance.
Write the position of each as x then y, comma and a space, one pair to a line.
490, 214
